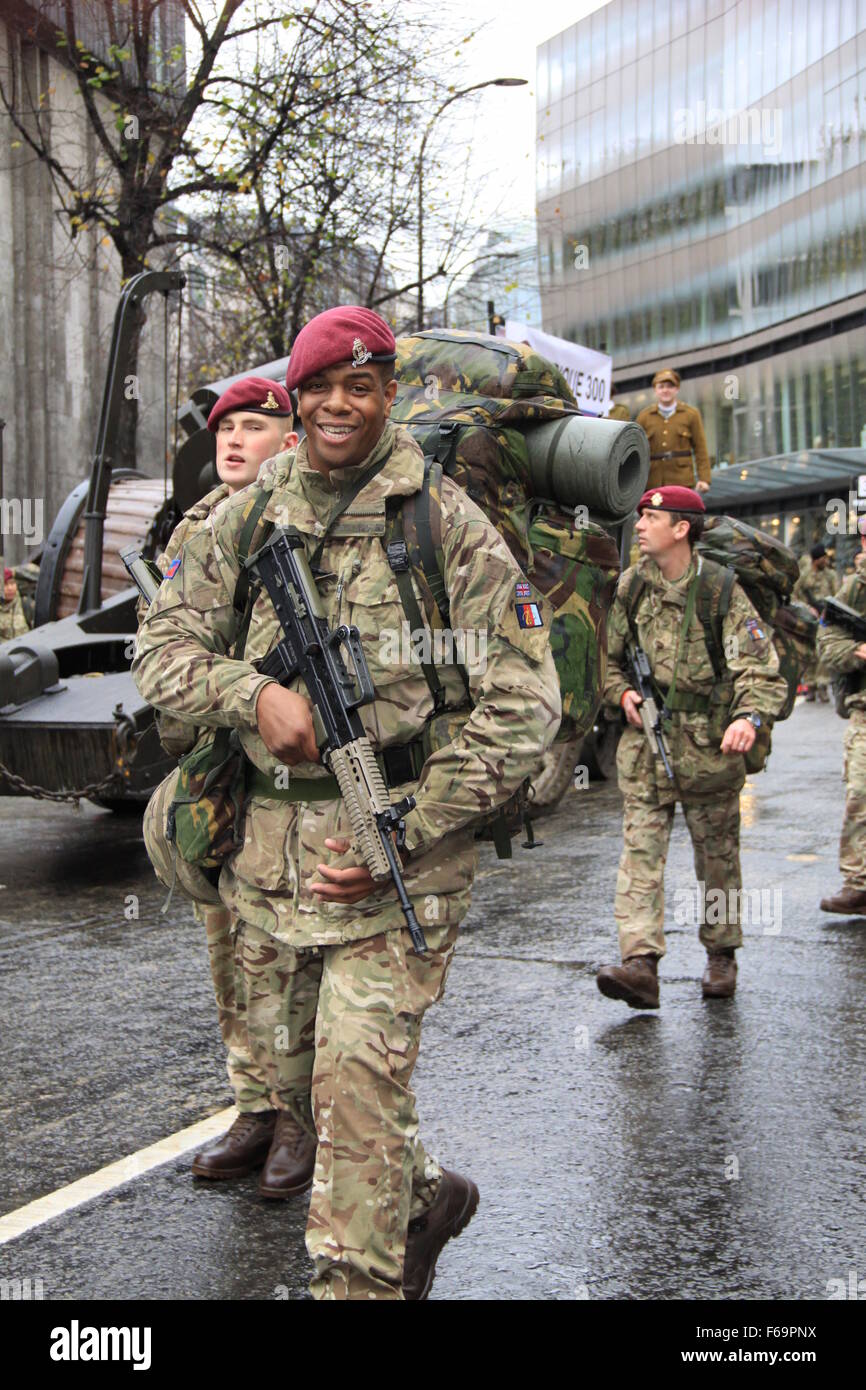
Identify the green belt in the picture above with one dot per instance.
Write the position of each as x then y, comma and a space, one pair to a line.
688, 701
398, 765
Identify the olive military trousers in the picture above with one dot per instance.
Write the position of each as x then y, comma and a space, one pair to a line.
247, 1079
336, 1030
714, 826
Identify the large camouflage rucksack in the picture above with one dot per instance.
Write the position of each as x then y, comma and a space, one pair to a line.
463, 397
731, 550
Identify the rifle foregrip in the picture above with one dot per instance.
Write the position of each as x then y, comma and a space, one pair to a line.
364, 795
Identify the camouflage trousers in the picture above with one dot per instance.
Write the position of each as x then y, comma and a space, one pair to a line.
247, 1078
852, 845
639, 909
336, 1030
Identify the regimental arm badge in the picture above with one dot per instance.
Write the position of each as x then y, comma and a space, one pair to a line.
360, 353
270, 403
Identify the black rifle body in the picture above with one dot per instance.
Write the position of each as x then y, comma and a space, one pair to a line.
648, 708
309, 649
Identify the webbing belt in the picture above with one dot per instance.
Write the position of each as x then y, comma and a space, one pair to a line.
687, 700
398, 765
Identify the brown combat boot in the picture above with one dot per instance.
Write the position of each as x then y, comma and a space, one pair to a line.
720, 977
453, 1208
851, 902
636, 982
241, 1149
292, 1158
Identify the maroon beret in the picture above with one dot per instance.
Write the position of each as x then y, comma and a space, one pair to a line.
255, 394
348, 333
7, 575
672, 499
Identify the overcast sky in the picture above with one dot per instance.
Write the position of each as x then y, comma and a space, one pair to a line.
503, 129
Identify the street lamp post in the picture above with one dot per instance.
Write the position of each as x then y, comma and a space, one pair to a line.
464, 91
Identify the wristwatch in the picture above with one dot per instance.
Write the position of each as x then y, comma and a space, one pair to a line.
754, 719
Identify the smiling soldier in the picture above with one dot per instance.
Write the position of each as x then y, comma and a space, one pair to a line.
334, 994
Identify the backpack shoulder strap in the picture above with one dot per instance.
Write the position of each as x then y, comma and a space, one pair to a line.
715, 584
413, 544
634, 593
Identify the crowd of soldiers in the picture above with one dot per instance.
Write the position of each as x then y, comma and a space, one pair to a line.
320, 993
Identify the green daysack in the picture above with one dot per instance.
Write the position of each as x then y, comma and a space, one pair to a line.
767, 570
463, 396
731, 550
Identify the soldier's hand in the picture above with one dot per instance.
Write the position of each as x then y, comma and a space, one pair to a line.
861, 651
739, 736
631, 703
285, 722
702, 486
344, 885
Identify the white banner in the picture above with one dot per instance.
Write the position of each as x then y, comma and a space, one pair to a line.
587, 372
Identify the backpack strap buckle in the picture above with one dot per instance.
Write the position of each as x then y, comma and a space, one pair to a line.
398, 556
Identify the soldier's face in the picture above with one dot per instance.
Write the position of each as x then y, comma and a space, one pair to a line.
10, 589
666, 392
655, 534
244, 440
344, 410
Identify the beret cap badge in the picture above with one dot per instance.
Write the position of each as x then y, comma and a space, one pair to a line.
360, 353
657, 499
270, 402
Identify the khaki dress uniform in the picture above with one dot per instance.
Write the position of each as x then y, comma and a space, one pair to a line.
678, 447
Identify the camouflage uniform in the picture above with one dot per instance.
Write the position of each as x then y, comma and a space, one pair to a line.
836, 649
179, 736
812, 588
334, 997
673, 442
12, 620
707, 782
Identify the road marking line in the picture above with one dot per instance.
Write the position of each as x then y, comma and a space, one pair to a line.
16, 1223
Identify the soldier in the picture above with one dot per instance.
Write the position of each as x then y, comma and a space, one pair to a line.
615, 410
252, 422
842, 654
706, 737
816, 582
12, 620
334, 994
678, 449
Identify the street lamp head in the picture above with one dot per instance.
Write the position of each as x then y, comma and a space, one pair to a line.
510, 81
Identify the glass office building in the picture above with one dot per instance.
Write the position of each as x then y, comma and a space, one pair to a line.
702, 204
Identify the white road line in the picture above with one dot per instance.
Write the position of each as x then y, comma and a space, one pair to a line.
16, 1223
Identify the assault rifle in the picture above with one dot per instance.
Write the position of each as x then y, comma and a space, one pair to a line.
838, 614
648, 709
146, 575
310, 650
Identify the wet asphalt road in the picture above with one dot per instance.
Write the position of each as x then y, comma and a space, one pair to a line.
712, 1150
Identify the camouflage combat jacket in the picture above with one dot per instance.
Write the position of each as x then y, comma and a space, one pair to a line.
680, 435
481, 757
12, 620
753, 684
179, 736
813, 586
836, 647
